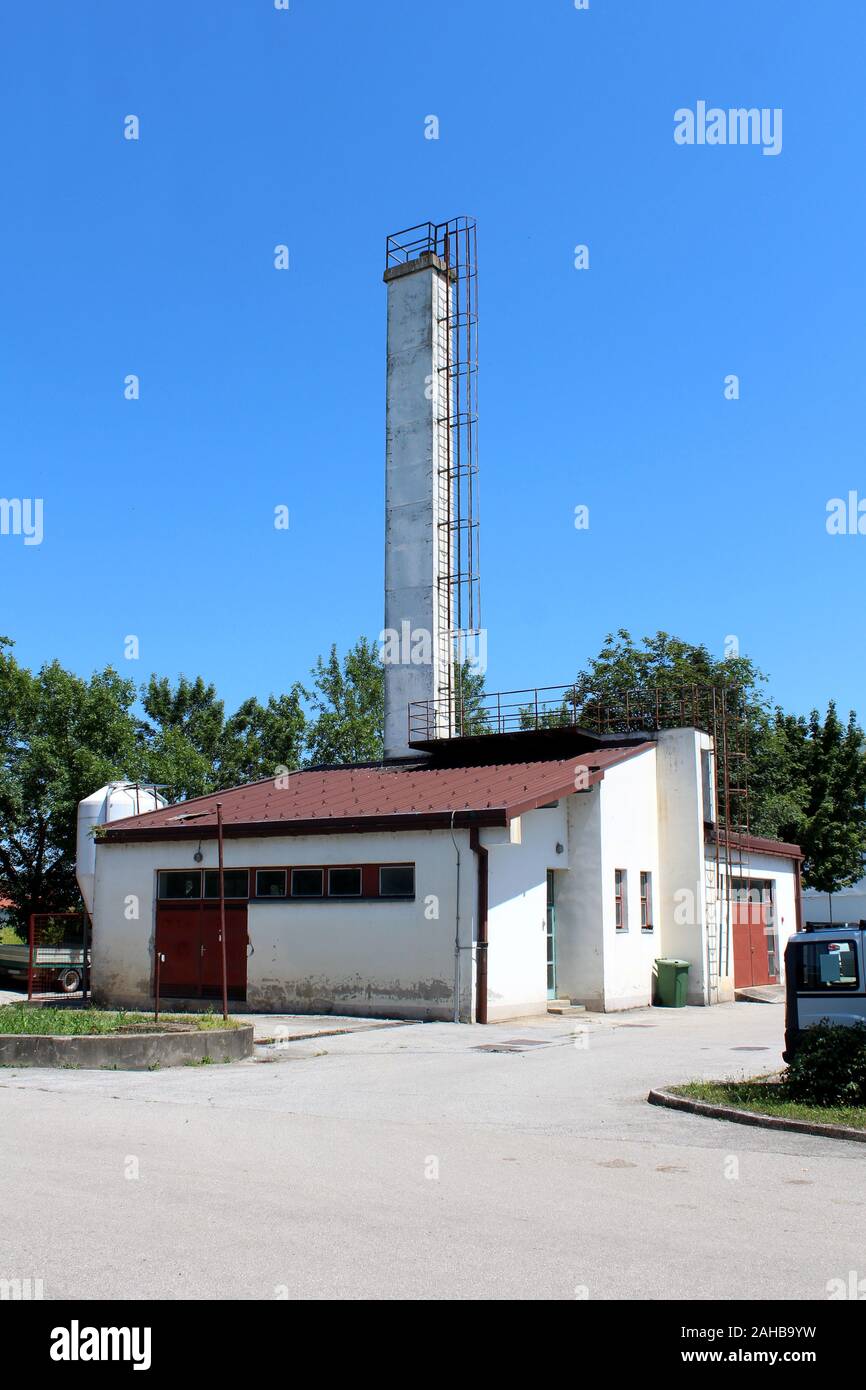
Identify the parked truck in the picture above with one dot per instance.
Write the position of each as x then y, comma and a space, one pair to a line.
63, 965
825, 968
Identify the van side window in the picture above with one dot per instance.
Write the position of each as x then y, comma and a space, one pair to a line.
827, 965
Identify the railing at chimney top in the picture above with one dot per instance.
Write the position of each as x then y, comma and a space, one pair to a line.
563, 706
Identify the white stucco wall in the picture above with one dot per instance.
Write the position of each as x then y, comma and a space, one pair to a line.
682, 867
369, 958
614, 826
517, 912
579, 910
629, 841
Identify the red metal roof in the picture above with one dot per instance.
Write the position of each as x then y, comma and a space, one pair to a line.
370, 798
758, 845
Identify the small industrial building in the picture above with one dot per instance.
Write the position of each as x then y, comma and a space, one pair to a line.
471, 891
487, 865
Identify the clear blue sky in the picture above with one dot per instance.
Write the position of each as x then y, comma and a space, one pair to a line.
602, 387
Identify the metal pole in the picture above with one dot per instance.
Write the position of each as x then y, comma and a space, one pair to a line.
156, 961
85, 962
30, 958
219, 811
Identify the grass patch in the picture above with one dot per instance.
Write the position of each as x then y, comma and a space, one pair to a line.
764, 1098
29, 1018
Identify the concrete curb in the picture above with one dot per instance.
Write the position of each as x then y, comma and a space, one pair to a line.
751, 1117
126, 1051
269, 1040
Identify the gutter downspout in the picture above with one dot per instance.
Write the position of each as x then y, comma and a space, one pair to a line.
481, 944
456, 928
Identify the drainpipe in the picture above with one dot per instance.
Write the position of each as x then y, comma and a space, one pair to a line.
481, 943
456, 928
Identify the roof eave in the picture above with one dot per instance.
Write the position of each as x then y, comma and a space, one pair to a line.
320, 825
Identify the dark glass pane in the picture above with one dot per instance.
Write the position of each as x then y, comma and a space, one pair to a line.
235, 883
306, 883
827, 965
344, 883
397, 881
183, 883
271, 883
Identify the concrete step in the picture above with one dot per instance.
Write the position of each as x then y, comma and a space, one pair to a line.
565, 1007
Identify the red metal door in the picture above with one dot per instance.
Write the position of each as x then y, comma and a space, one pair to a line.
751, 922
179, 946
188, 941
236, 951
742, 944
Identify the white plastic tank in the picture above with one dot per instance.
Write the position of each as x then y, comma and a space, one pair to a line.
112, 802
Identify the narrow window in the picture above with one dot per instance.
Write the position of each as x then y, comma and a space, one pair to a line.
646, 901
236, 883
344, 883
397, 881
307, 883
186, 883
270, 883
707, 789
620, 914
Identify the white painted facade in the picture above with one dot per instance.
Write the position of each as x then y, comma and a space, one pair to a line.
379, 958
517, 911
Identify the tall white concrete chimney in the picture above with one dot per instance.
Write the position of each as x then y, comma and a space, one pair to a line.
417, 638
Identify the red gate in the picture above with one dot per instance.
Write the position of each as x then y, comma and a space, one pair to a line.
58, 954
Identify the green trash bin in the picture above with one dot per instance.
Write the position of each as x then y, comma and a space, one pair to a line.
672, 983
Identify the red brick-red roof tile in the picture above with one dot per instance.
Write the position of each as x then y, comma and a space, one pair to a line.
348, 796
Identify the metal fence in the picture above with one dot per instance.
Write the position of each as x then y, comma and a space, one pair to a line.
57, 954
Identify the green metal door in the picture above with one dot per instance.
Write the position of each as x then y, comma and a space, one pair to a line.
551, 935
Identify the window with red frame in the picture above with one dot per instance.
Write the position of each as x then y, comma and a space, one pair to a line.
620, 911
646, 900
282, 884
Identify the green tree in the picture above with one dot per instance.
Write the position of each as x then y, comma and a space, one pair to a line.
61, 737
188, 745
833, 830
663, 662
348, 707
181, 736
258, 739
779, 771
471, 714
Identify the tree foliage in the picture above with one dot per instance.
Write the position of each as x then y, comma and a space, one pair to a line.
61, 737
807, 777
347, 700
661, 661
